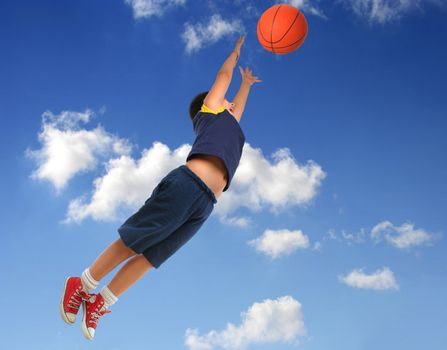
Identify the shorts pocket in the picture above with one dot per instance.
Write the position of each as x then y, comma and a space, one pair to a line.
162, 185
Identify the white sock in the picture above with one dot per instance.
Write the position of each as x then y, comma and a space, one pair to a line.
88, 281
108, 296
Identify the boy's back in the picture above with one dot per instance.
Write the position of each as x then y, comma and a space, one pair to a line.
217, 148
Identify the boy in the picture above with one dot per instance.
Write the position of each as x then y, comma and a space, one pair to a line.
178, 205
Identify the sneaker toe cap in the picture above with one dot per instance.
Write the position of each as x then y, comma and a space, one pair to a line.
91, 332
70, 317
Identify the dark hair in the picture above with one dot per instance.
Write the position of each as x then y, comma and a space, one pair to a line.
196, 104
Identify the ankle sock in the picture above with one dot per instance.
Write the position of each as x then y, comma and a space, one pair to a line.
108, 296
88, 281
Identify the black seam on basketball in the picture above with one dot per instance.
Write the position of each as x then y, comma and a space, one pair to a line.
294, 43
271, 31
280, 49
288, 30
263, 37
262, 34
272, 42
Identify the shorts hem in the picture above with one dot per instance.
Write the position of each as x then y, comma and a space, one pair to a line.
156, 264
153, 262
126, 243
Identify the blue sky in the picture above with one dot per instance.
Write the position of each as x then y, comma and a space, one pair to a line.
332, 235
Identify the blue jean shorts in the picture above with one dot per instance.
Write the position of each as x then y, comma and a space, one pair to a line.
174, 212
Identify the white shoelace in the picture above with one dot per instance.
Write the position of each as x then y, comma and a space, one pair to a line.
96, 315
76, 299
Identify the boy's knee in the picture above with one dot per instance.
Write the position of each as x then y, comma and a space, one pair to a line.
129, 251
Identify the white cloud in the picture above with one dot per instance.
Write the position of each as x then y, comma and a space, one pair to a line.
317, 246
379, 280
279, 243
67, 150
357, 237
199, 35
381, 11
249, 8
127, 183
307, 6
346, 237
270, 321
148, 8
402, 237
238, 221
257, 184
385, 11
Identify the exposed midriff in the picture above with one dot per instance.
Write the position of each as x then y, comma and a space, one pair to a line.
211, 170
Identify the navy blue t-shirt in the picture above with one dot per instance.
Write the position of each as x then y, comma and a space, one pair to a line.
218, 135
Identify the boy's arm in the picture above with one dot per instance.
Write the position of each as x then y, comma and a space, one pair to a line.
241, 97
216, 95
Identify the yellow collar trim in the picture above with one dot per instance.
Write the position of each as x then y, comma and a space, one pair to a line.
209, 110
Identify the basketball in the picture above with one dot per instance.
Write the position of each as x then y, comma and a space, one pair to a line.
282, 29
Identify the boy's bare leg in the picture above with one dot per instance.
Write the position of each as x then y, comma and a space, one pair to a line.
130, 273
110, 258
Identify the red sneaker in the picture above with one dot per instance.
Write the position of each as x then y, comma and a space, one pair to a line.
72, 297
93, 309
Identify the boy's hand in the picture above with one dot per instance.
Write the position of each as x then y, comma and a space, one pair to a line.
239, 44
247, 76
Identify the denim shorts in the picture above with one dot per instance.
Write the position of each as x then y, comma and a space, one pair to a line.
176, 209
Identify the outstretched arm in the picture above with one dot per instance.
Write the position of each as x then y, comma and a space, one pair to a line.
241, 97
216, 95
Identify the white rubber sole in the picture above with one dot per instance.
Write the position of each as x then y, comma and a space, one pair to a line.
84, 327
61, 304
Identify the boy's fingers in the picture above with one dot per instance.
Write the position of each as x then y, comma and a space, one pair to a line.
240, 41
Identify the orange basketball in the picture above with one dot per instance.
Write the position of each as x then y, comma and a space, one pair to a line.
282, 29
